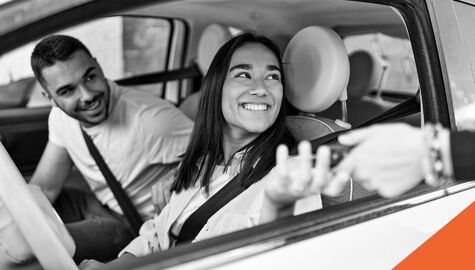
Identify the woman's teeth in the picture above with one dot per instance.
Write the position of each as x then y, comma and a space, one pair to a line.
256, 107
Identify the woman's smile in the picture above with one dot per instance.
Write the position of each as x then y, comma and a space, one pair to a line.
255, 106
252, 91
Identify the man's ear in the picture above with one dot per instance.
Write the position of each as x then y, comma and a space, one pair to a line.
98, 66
45, 94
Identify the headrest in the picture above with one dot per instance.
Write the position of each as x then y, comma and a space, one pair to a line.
361, 69
213, 37
317, 69
367, 72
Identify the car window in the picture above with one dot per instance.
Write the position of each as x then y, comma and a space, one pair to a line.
393, 56
141, 45
124, 46
464, 100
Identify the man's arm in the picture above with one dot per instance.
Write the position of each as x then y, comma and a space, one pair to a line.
52, 171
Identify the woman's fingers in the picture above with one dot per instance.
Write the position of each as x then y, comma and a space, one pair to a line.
282, 155
301, 174
305, 156
321, 170
301, 177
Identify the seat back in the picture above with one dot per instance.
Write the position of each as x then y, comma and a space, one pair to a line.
317, 71
366, 74
212, 38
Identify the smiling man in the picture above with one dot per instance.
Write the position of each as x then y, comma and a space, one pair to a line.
140, 137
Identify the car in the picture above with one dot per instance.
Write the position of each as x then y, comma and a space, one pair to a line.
403, 61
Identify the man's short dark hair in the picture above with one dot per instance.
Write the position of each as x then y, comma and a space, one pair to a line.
52, 49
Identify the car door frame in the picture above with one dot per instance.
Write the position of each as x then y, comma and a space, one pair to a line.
434, 74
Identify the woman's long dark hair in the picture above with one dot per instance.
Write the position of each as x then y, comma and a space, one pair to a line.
205, 148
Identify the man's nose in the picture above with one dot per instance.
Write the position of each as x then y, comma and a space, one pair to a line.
86, 95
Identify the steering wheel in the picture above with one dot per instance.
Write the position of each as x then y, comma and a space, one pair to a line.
34, 222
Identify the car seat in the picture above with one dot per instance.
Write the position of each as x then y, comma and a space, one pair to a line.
212, 38
317, 71
366, 74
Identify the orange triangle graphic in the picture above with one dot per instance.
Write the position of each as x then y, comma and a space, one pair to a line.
452, 247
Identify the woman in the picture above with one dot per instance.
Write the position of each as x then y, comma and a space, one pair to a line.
240, 123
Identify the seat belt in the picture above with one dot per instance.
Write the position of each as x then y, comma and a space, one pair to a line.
195, 223
129, 210
162, 76
408, 107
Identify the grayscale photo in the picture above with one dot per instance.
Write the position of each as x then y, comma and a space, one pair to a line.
236, 134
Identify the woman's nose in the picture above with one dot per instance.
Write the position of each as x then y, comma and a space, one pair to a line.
258, 88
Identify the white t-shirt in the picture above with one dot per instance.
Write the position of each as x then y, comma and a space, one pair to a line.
141, 138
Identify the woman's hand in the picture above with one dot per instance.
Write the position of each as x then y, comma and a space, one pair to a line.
294, 178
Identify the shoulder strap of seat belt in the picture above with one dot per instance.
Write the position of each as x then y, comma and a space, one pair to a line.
129, 210
408, 107
195, 223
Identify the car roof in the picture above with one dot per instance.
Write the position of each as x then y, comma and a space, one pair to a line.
15, 14
277, 18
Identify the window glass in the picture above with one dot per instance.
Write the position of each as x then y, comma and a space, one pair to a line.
145, 50
394, 62
464, 101
124, 47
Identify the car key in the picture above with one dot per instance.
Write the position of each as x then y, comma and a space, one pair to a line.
337, 153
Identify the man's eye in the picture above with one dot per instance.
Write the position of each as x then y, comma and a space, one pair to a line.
90, 77
64, 91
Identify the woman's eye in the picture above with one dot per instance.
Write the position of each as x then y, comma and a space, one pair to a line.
243, 75
274, 76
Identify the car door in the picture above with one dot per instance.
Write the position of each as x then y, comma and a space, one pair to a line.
24, 133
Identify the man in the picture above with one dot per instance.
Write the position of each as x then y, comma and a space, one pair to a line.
139, 136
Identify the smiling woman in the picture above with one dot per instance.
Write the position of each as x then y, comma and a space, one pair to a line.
220, 184
252, 92
369, 232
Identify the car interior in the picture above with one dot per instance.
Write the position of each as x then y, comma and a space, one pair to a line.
348, 64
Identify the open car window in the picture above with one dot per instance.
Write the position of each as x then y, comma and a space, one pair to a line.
397, 52
404, 50
394, 57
